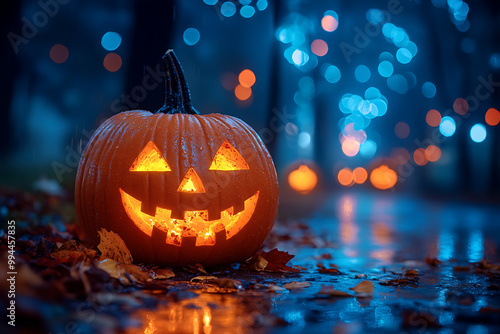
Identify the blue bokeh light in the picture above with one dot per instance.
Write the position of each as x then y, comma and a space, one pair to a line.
299, 57
245, 2
428, 90
398, 83
375, 16
403, 55
368, 149
247, 11
332, 74
191, 36
447, 126
385, 69
228, 9
362, 73
478, 133
210, 2
261, 5
495, 60
111, 40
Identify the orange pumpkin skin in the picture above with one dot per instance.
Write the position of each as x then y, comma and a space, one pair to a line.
186, 141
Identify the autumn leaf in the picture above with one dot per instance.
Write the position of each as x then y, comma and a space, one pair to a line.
125, 273
329, 291
276, 261
163, 273
275, 288
363, 289
202, 278
296, 285
113, 247
195, 268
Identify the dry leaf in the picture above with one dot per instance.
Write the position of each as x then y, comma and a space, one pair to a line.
412, 272
125, 273
163, 274
261, 263
274, 288
296, 285
432, 261
202, 278
113, 247
195, 268
461, 268
328, 290
360, 276
227, 283
272, 261
363, 289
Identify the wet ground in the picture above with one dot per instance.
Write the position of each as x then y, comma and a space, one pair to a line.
380, 235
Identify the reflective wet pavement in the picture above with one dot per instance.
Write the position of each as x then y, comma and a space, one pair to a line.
376, 234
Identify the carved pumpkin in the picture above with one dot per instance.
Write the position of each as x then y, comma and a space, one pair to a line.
178, 187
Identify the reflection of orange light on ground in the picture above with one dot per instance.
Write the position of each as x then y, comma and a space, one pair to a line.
242, 93
383, 177
246, 78
329, 23
350, 146
433, 117
319, 47
384, 255
382, 234
460, 106
419, 157
359, 175
303, 179
345, 177
400, 155
348, 229
432, 153
492, 117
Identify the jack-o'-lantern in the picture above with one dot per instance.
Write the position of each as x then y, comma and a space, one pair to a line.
178, 187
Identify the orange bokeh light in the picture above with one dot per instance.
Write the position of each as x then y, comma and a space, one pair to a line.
302, 179
432, 153
350, 146
242, 93
460, 106
329, 23
346, 177
433, 118
400, 155
359, 175
246, 78
59, 53
402, 130
492, 117
112, 62
383, 177
319, 47
419, 157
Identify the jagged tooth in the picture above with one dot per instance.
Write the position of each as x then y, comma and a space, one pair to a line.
220, 232
188, 239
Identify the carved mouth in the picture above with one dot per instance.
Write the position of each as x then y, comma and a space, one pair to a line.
194, 227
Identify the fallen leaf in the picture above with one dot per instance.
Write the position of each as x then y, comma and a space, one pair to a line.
461, 268
163, 273
125, 273
328, 290
411, 272
113, 247
202, 278
276, 262
275, 288
432, 261
360, 276
227, 283
419, 320
195, 268
261, 263
296, 285
363, 289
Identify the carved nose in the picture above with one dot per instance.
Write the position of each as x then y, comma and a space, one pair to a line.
191, 183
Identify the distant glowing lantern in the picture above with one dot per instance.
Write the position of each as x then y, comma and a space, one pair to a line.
303, 179
383, 177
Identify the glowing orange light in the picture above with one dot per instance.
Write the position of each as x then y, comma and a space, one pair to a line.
419, 157
319, 47
112, 62
460, 106
350, 146
345, 177
402, 130
150, 160
400, 155
303, 179
492, 117
432, 153
246, 78
229, 80
191, 183
329, 23
59, 53
383, 177
433, 118
228, 158
242, 93
359, 175
195, 223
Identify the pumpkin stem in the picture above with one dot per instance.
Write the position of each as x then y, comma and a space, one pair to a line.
177, 95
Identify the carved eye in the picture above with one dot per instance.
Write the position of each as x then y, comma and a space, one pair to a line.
150, 160
228, 158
